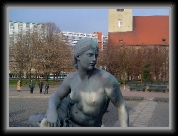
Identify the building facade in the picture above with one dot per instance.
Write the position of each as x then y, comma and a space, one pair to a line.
74, 37
18, 28
123, 28
150, 32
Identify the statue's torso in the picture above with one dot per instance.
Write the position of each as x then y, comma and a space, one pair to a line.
90, 100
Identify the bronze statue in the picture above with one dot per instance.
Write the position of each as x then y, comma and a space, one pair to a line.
84, 96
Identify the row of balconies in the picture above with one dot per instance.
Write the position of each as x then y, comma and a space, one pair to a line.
79, 34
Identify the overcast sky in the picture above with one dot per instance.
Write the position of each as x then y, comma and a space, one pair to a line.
75, 20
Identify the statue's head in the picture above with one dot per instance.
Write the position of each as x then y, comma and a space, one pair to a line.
82, 46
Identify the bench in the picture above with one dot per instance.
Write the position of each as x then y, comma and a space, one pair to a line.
147, 83
132, 87
133, 98
157, 88
161, 83
161, 99
137, 87
141, 87
132, 83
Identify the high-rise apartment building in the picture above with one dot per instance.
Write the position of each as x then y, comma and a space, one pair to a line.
74, 37
18, 28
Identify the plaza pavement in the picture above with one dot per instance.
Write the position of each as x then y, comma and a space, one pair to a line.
146, 109
131, 95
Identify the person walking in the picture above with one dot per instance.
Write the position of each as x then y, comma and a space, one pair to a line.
40, 84
46, 87
31, 86
18, 86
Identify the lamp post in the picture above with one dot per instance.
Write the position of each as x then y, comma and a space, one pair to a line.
166, 61
121, 41
124, 68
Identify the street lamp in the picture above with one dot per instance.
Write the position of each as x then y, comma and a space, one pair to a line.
121, 41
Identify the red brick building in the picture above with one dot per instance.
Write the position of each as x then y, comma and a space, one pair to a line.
137, 30
147, 30
99, 39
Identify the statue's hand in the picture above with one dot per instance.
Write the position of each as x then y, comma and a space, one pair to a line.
51, 117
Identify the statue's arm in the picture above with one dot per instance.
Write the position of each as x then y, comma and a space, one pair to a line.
54, 101
114, 93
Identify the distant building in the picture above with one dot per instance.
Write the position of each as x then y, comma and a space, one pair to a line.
74, 37
138, 31
125, 29
17, 28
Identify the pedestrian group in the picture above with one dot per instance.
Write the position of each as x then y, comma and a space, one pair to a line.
40, 84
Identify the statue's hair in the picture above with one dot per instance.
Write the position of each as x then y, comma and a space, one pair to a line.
82, 46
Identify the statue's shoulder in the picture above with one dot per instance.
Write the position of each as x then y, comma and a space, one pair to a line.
69, 78
105, 75
71, 75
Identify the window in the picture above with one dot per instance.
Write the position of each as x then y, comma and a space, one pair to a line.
27, 24
120, 23
119, 10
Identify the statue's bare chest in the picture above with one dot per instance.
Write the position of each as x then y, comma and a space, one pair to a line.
89, 91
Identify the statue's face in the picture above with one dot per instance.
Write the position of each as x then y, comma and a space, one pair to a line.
88, 59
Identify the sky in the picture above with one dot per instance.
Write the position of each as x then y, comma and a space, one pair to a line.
75, 20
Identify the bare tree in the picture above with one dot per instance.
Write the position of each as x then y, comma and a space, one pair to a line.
136, 62
19, 53
53, 53
113, 58
42, 52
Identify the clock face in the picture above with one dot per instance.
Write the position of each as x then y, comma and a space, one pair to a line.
119, 10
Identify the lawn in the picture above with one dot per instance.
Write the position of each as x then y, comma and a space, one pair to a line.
13, 82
